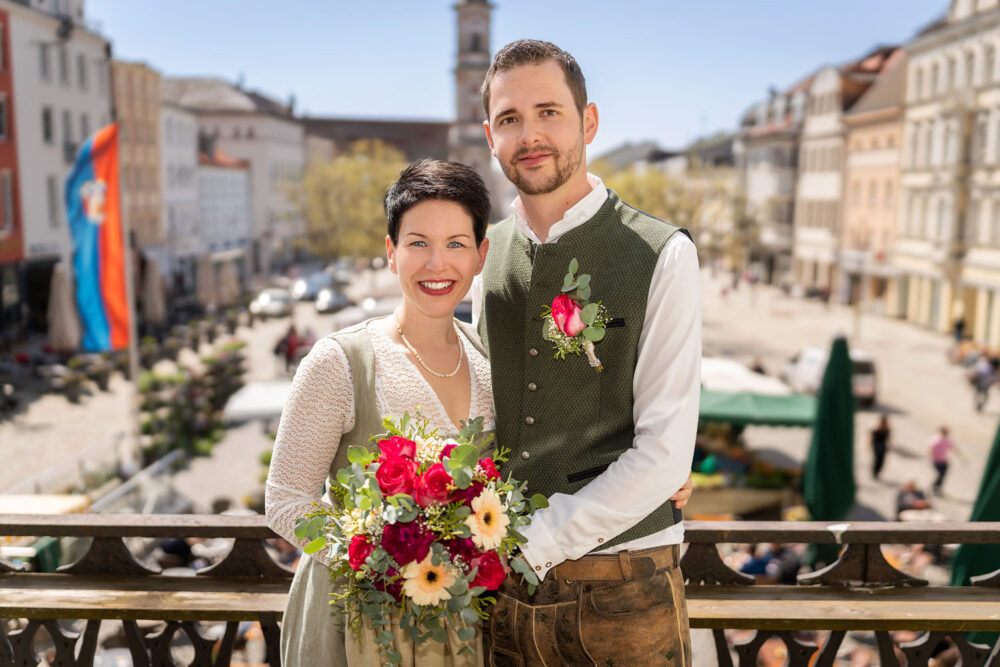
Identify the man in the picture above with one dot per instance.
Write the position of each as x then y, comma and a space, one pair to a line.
610, 448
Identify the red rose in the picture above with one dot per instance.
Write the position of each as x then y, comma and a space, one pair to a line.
396, 474
469, 494
490, 573
566, 313
489, 468
434, 486
359, 551
446, 450
397, 446
406, 542
464, 548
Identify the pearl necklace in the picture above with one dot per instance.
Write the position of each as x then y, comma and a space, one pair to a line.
461, 352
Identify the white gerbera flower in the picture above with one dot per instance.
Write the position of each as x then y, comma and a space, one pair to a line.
427, 584
488, 520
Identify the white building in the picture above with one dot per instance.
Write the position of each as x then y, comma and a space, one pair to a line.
224, 196
179, 175
249, 126
61, 74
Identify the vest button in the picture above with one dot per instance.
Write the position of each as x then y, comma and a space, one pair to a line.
532, 386
525, 455
529, 420
533, 352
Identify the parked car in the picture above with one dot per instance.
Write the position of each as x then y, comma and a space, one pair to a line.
330, 300
307, 289
804, 372
342, 271
272, 302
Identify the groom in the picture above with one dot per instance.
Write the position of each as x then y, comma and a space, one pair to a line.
610, 448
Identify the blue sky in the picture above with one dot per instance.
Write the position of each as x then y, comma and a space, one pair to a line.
667, 70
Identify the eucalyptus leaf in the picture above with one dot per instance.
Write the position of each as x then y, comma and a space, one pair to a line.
466, 634
315, 545
358, 455
584, 293
395, 657
569, 284
343, 477
468, 454
590, 313
538, 501
574, 265
545, 331
594, 334
300, 527
469, 615
462, 478
583, 280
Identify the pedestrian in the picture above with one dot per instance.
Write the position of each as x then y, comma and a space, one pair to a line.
757, 366
880, 438
910, 497
983, 377
940, 445
958, 328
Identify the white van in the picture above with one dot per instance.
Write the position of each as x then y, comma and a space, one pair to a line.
804, 372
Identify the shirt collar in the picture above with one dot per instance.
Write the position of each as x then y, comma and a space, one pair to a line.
575, 215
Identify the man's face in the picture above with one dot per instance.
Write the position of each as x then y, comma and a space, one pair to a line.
535, 130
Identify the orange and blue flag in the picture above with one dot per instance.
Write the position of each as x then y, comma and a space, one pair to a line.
95, 222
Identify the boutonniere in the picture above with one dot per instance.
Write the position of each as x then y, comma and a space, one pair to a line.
572, 324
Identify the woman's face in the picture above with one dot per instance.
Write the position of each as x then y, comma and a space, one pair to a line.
436, 256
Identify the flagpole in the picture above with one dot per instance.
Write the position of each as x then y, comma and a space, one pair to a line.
133, 327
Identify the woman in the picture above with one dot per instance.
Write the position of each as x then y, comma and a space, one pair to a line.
420, 357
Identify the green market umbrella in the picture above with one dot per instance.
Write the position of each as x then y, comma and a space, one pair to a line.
828, 476
746, 408
972, 560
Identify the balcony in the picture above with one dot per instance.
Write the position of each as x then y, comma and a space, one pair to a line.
860, 592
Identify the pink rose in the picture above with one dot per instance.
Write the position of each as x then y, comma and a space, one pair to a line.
566, 313
396, 474
359, 551
434, 486
397, 446
446, 450
489, 468
490, 574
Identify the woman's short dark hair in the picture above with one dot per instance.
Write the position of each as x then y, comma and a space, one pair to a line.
437, 179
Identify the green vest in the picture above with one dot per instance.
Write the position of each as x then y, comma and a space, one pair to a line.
564, 422
360, 355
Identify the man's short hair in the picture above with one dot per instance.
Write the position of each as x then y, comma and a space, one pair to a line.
534, 52
437, 179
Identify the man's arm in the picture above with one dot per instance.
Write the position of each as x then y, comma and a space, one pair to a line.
666, 388
476, 292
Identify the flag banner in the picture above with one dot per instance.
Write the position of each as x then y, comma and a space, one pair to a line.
95, 223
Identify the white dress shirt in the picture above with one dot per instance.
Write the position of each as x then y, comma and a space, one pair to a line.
666, 390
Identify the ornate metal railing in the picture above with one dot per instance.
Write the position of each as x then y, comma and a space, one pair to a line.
860, 591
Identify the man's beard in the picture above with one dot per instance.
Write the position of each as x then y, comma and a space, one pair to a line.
565, 168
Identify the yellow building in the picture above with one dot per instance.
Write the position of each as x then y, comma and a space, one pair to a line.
137, 104
871, 186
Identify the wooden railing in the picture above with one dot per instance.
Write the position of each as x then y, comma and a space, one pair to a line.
861, 591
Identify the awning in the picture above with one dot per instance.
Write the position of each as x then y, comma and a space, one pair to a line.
746, 409
726, 375
257, 400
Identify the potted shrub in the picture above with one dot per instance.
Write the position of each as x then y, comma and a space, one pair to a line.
73, 379
100, 372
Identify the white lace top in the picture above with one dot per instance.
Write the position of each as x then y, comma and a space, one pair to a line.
320, 408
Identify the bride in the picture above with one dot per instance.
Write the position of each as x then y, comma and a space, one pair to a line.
420, 357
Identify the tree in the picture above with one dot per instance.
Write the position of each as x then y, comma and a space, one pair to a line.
342, 200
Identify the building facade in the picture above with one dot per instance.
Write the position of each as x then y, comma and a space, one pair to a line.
768, 160
137, 107
871, 188
224, 196
249, 126
61, 72
946, 254
11, 234
179, 175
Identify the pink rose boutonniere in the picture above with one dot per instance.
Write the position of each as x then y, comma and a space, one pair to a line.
572, 324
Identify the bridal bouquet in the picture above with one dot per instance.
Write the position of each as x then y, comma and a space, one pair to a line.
423, 527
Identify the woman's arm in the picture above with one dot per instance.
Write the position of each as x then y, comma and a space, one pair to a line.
319, 409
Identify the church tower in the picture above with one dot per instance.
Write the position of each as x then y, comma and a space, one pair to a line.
466, 140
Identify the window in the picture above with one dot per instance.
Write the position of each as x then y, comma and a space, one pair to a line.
872, 194
988, 65
236, 132
935, 79
914, 144
942, 219
982, 231
102, 78
995, 226
918, 84
979, 140
970, 69
67, 127
3, 117
48, 132
84, 127
81, 71
857, 193
52, 196
63, 58
7, 197
250, 133
888, 194
949, 79
972, 220
44, 67
890, 141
